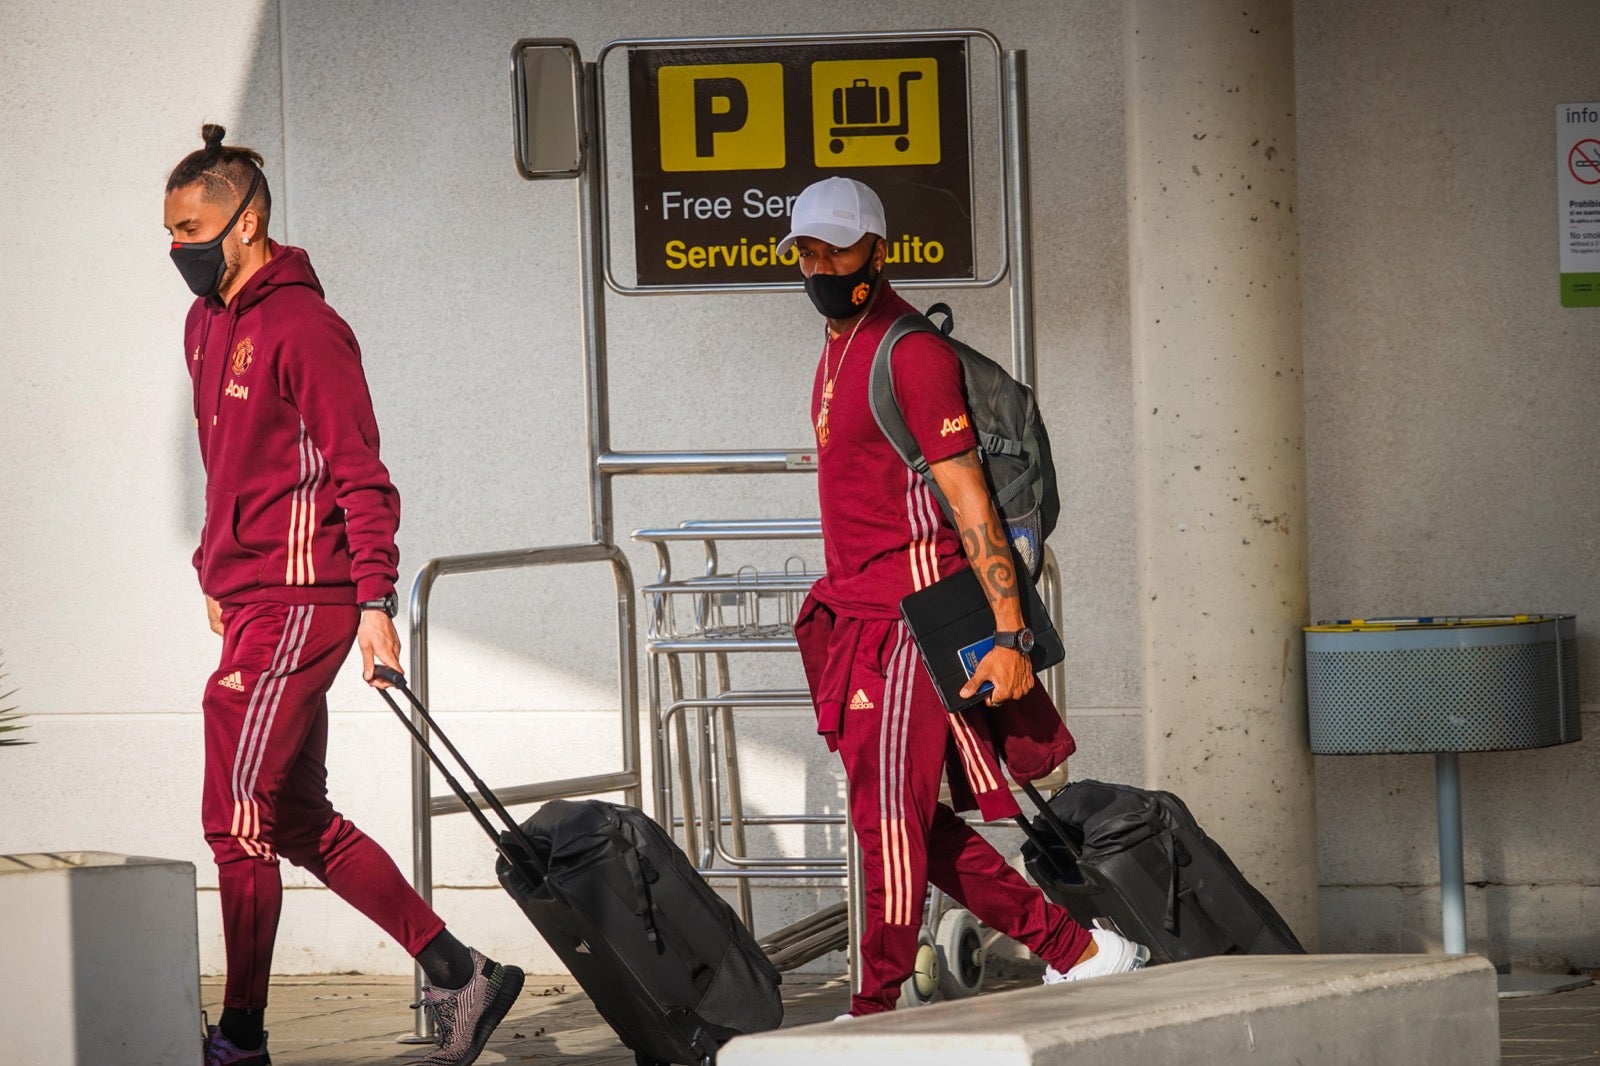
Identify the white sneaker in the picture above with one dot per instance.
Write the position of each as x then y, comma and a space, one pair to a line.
1115, 954
844, 1017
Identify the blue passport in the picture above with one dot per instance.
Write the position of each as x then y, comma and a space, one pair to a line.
972, 655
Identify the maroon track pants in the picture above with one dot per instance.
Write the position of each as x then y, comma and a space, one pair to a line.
266, 794
895, 742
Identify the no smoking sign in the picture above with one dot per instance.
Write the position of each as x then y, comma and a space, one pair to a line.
1578, 202
1584, 161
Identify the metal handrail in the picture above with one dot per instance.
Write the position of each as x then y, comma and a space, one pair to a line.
798, 529
708, 462
628, 781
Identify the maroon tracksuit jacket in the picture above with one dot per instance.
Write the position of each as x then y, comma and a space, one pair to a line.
298, 507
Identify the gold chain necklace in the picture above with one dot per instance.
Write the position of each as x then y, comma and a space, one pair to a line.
828, 379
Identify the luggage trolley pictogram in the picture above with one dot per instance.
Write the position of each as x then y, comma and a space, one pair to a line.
861, 109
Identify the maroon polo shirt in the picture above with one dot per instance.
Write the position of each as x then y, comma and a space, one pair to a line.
883, 533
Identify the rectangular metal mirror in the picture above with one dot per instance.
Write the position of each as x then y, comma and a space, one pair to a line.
546, 100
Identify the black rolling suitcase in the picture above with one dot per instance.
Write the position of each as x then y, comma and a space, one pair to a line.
1137, 860
666, 961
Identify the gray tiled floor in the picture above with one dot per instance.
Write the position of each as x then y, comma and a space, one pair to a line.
354, 1021
1551, 1030
346, 1021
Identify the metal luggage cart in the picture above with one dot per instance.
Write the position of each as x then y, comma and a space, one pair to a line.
694, 626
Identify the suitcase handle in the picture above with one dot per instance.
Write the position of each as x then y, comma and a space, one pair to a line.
397, 680
1039, 843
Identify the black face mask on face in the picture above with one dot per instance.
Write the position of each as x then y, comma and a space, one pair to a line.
841, 296
203, 263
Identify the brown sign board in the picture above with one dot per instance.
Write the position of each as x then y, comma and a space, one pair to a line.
725, 137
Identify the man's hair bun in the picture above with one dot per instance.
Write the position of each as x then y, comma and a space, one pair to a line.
227, 172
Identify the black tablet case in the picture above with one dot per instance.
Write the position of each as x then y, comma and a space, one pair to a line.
952, 616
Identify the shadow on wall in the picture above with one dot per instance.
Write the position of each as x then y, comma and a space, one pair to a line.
259, 126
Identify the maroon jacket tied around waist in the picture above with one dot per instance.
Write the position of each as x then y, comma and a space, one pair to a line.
1026, 734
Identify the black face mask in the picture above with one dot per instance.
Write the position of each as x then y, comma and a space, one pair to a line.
202, 263
841, 296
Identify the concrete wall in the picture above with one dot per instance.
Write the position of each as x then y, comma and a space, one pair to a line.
1449, 410
1451, 436
387, 131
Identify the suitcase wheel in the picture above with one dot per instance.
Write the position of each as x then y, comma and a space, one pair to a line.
961, 955
923, 984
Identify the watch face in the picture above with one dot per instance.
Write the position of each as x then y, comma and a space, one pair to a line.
1025, 641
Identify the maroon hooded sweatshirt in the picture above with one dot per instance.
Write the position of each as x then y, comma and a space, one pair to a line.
299, 509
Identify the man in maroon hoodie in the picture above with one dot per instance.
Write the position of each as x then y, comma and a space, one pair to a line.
884, 537
297, 561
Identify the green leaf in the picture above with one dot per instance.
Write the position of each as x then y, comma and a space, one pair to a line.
10, 720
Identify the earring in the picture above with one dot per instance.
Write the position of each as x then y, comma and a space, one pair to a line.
246, 240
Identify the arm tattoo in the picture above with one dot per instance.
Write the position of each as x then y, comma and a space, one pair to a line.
983, 534
994, 539
1002, 578
967, 460
990, 556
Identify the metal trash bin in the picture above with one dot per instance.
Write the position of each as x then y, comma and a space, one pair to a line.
1441, 686
1390, 686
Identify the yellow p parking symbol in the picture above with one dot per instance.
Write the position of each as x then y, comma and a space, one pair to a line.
875, 112
721, 117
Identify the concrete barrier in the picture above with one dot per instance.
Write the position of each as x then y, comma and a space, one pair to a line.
99, 961
1306, 1010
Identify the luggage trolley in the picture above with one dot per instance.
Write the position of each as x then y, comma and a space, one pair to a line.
695, 626
582, 154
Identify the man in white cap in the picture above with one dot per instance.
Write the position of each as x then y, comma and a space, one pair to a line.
884, 537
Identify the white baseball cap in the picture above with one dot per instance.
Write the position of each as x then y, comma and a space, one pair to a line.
838, 210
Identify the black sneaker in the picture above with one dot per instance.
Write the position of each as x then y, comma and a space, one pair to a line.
464, 1018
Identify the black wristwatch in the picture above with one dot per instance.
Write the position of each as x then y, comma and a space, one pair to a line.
390, 605
1017, 640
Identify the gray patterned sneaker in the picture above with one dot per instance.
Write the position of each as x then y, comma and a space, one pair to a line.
464, 1018
219, 1051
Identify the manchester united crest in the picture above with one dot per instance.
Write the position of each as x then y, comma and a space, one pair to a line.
243, 355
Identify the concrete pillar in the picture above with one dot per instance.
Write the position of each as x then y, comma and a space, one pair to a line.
1219, 429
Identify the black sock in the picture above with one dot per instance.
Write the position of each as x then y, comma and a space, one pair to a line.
446, 961
242, 1027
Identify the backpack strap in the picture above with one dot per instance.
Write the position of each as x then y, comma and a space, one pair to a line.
994, 444
886, 409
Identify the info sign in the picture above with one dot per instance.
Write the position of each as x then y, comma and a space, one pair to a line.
1578, 202
724, 139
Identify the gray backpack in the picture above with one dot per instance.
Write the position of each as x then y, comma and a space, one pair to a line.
1011, 436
